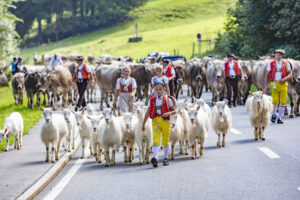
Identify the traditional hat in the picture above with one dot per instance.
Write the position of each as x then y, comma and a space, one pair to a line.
166, 60
230, 55
79, 58
279, 51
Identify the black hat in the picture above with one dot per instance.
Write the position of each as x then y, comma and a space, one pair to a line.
165, 60
20, 58
230, 55
79, 58
210, 56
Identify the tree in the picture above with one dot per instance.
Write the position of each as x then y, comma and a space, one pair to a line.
8, 35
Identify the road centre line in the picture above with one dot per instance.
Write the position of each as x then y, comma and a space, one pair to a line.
271, 154
235, 131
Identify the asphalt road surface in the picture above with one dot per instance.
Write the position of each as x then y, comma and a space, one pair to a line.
244, 169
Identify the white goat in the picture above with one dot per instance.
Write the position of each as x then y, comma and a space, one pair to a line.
85, 131
13, 126
221, 120
53, 131
176, 132
199, 129
72, 129
110, 135
144, 139
95, 120
259, 108
128, 141
204, 106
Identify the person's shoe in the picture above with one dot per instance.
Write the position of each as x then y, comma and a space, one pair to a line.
234, 105
229, 105
273, 118
165, 161
154, 162
279, 121
76, 109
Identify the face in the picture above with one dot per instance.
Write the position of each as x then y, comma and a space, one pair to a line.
220, 107
159, 90
95, 120
126, 72
138, 106
107, 113
67, 114
2, 135
165, 64
278, 56
159, 72
127, 117
44, 83
48, 114
296, 74
245, 68
179, 74
258, 97
78, 117
173, 119
79, 62
193, 115
230, 59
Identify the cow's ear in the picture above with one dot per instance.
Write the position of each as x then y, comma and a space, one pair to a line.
251, 93
41, 108
5, 130
186, 108
198, 108
101, 108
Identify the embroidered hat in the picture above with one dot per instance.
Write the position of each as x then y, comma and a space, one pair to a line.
279, 51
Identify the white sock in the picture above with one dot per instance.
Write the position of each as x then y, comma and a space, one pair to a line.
281, 111
274, 110
155, 149
166, 151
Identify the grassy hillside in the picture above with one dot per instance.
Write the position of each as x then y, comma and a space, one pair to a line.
165, 25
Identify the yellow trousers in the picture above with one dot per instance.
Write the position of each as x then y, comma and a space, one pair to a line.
161, 129
279, 93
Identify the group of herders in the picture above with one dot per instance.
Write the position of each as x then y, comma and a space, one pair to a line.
160, 106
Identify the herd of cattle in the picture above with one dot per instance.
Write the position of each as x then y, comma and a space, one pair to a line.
196, 73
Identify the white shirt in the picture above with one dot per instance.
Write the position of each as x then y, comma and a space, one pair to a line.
79, 75
126, 82
54, 62
159, 101
231, 69
278, 75
172, 71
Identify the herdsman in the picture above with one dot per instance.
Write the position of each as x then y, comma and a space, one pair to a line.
81, 76
169, 72
232, 72
278, 74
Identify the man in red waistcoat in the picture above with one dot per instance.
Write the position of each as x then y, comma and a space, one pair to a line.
232, 72
169, 72
278, 73
81, 76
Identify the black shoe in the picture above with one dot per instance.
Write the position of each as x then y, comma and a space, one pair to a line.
76, 109
165, 161
154, 162
279, 121
234, 105
229, 105
273, 118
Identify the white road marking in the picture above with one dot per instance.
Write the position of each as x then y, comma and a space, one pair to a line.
64, 181
271, 154
298, 189
234, 131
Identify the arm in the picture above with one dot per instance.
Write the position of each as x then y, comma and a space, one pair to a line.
172, 77
267, 79
116, 97
289, 75
172, 112
92, 79
168, 90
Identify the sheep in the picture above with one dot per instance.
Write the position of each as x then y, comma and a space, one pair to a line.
72, 129
204, 106
128, 141
95, 120
13, 126
144, 139
259, 108
53, 131
85, 131
176, 132
110, 135
199, 128
221, 120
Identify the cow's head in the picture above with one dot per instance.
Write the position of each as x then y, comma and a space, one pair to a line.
44, 83
296, 73
180, 74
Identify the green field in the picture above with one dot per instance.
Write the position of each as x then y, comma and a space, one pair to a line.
7, 106
165, 25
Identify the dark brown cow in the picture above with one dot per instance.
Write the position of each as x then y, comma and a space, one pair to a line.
18, 85
32, 85
179, 79
294, 88
244, 87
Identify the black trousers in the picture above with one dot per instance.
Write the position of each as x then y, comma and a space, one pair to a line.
81, 85
232, 83
171, 87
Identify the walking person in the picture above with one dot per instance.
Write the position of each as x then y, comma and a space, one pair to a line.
278, 74
159, 77
14, 66
55, 60
232, 72
160, 108
81, 76
126, 89
169, 72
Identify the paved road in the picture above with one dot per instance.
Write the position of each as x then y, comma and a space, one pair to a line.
244, 169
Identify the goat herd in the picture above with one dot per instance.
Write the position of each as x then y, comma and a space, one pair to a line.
107, 131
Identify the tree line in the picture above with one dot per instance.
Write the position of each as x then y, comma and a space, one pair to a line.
57, 19
257, 27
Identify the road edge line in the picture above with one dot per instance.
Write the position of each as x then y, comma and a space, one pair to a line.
45, 179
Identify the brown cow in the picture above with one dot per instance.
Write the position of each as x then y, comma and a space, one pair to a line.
294, 88
179, 79
18, 85
244, 86
61, 84
32, 85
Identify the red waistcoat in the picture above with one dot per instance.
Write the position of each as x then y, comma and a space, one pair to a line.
129, 87
163, 108
168, 73
85, 74
273, 69
235, 68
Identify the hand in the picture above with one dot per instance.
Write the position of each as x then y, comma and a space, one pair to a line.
243, 79
115, 104
166, 114
92, 84
132, 95
282, 81
143, 127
